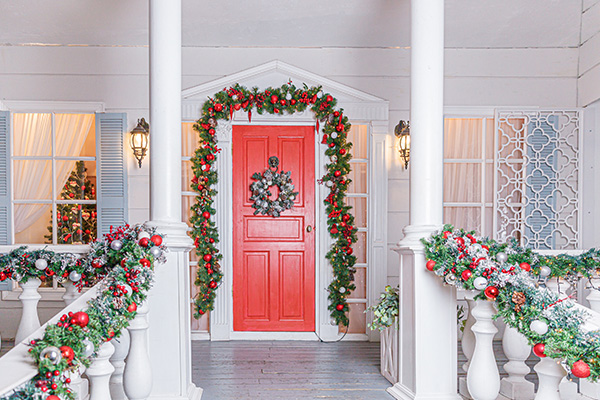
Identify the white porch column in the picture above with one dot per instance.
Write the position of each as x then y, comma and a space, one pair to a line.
428, 343
169, 301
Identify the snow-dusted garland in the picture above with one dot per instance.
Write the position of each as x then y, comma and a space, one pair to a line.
260, 190
287, 98
511, 276
127, 255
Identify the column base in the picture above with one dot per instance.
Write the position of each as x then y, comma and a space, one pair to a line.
414, 233
194, 393
400, 392
589, 389
522, 390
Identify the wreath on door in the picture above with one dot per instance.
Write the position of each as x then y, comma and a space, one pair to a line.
261, 193
340, 221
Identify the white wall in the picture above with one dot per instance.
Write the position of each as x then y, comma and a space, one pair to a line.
589, 54
499, 53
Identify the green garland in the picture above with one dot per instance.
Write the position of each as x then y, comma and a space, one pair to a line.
285, 99
129, 254
514, 277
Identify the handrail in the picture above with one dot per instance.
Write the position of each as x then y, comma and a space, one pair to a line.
17, 365
57, 248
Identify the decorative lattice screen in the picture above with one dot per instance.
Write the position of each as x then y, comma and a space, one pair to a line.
537, 178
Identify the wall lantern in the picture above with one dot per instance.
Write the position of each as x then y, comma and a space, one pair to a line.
402, 132
139, 140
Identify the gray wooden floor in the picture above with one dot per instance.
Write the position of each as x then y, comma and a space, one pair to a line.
282, 370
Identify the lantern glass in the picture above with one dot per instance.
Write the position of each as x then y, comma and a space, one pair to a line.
139, 140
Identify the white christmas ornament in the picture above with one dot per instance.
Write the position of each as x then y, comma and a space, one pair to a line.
539, 327
333, 135
116, 244
143, 234
480, 283
288, 96
501, 257
319, 94
74, 276
41, 264
545, 271
342, 290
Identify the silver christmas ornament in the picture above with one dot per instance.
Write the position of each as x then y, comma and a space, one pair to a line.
41, 264
501, 257
333, 135
88, 348
74, 276
329, 184
333, 158
319, 94
17, 277
116, 245
156, 251
450, 279
52, 354
480, 283
539, 327
342, 290
234, 97
545, 271
288, 96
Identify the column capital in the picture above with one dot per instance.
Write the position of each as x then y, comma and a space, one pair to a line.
175, 234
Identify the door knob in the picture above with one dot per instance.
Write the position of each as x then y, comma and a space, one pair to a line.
309, 228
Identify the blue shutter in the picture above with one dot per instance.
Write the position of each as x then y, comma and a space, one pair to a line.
540, 186
111, 180
5, 200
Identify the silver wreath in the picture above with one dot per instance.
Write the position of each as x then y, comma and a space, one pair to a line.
261, 193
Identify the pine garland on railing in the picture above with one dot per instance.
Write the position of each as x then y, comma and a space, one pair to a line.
127, 256
514, 278
285, 99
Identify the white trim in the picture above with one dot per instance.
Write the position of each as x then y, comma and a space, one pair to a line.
3, 107
54, 106
468, 111
200, 336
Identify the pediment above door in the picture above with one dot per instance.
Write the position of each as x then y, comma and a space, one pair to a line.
357, 104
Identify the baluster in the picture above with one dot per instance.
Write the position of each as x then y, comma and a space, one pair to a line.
550, 374
71, 292
118, 361
30, 321
516, 349
587, 388
78, 385
99, 373
467, 343
483, 379
137, 376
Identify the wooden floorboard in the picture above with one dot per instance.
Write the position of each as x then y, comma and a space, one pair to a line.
285, 370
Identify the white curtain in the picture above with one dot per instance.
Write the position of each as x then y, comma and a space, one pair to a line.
33, 179
462, 180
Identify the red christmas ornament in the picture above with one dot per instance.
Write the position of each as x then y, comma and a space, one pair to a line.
145, 262
212, 132
342, 151
67, 353
206, 215
132, 307
331, 144
52, 397
346, 217
210, 157
337, 174
329, 98
324, 141
430, 264
539, 349
274, 99
156, 239
81, 318
339, 307
349, 251
460, 241
525, 266
580, 369
446, 234
212, 285
491, 292
207, 257
218, 107
237, 106
466, 275
283, 102
334, 230
144, 242
293, 101
339, 127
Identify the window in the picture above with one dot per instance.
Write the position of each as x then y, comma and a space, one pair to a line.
54, 178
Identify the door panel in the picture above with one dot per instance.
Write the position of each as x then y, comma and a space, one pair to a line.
274, 258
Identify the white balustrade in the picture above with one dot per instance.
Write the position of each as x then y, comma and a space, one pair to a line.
30, 321
483, 379
99, 373
550, 374
467, 343
137, 376
78, 385
71, 292
517, 350
586, 387
118, 361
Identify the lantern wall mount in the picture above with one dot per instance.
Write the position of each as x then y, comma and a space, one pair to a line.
139, 140
402, 132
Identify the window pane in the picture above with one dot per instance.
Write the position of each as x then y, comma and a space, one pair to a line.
358, 319
32, 223
32, 133
358, 137
359, 249
76, 180
468, 218
489, 183
489, 140
360, 281
33, 179
358, 174
75, 135
462, 137
462, 182
189, 139
186, 175
76, 223
359, 210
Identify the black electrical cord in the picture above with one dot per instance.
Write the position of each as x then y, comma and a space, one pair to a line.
334, 341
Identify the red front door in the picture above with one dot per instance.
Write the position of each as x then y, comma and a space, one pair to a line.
273, 257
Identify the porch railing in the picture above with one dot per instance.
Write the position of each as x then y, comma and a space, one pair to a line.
483, 379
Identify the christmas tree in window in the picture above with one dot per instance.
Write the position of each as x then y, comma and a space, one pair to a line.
76, 223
